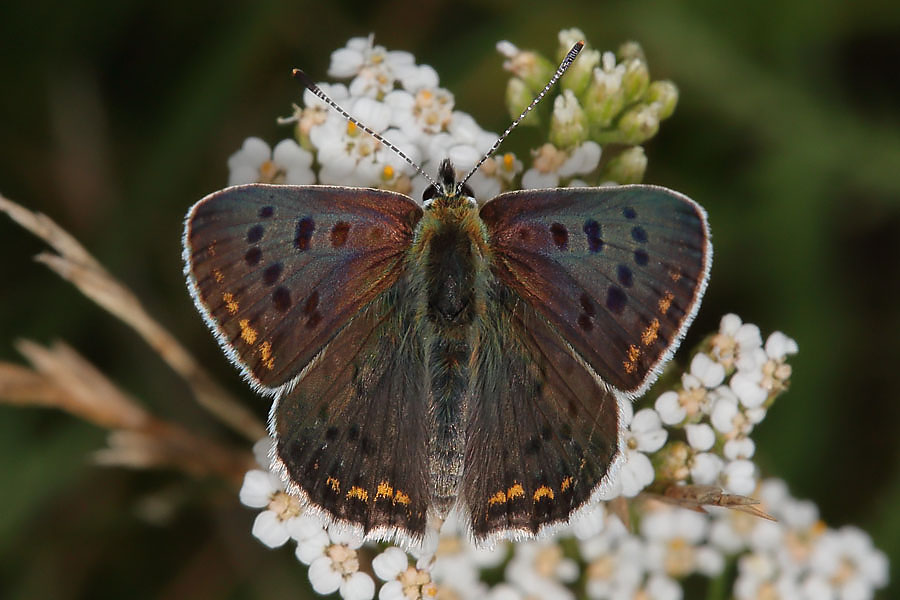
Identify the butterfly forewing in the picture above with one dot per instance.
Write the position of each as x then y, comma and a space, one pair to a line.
618, 271
543, 432
351, 435
278, 270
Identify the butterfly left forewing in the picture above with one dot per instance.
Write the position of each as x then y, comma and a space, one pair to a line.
277, 270
543, 431
618, 271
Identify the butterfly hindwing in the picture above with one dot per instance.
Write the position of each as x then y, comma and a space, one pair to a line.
618, 271
543, 431
351, 437
278, 270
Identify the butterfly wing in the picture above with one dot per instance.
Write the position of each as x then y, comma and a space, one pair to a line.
543, 431
278, 270
351, 435
618, 271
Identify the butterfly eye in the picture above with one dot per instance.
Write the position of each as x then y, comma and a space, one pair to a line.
429, 193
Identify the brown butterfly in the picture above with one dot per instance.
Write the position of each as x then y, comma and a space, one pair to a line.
426, 359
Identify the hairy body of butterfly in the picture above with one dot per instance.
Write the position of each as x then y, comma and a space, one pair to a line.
451, 357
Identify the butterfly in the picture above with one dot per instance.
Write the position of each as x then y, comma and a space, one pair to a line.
426, 358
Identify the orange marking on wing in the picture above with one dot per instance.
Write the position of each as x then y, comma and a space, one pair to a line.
384, 491
543, 492
219, 277
498, 498
516, 491
334, 484
675, 275
358, 492
401, 498
265, 352
248, 334
633, 354
230, 303
211, 249
650, 334
666, 302
566, 484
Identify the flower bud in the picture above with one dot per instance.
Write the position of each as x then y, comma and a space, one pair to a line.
631, 51
627, 167
604, 97
518, 97
529, 66
578, 77
568, 125
665, 94
639, 124
568, 38
635, 81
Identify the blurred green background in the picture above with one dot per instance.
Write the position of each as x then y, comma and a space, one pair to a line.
116, 116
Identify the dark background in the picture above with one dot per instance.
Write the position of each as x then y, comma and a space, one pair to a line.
116, 116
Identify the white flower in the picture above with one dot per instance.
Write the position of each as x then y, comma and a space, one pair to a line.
288, 163
734, 339
846, 559
670, 410
616, 562
551, 164
495, 176
404, 582
374, 70
539, 568
710, 373
426, 113
261, 489
779, 346
336, 567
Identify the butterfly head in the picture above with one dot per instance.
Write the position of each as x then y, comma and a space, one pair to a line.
450, 195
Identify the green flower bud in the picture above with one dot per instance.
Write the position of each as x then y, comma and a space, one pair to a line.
631, 51
518, 97
665, 95
636, 80
579, 75
568, 125
639, 124
628, 167
604, 98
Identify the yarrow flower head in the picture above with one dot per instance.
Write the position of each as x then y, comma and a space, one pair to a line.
687, 445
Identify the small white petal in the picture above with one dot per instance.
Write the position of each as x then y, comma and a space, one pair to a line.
268, 529
311, 548
743, 447
709, 372
746, 386
390, 563
507, 48
392, 590
345, 63
305, 526
243, 174
705, 468
723, 414
670, 410
261, 450
322, 576
583, 159
358, 586
258, 487
739, 476
700, 436
341, 534
636, 474
778, 346
647, 430
748, 337
729, 324
660, 587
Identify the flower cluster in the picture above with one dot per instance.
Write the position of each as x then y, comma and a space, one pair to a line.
686, 446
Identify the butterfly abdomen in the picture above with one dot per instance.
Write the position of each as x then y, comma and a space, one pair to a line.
448, 261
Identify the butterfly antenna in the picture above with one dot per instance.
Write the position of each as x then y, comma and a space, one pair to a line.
567, 61
311, 86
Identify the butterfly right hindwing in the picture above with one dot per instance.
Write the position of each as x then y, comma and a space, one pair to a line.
543, 431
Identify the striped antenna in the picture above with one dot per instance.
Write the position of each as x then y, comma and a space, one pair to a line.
567, 61
311, 86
